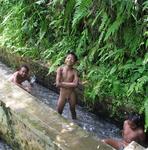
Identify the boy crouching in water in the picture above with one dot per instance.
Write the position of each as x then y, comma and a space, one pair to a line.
20, 76
67, 81
133, 130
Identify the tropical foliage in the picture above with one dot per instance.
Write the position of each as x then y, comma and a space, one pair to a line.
109, 37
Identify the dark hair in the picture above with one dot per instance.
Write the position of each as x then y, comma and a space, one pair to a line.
75, 56
137, 119
24, 66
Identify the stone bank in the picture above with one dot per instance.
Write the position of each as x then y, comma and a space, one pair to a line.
28, 124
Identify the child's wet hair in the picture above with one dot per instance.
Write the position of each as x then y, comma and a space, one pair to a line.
137, 119
24, 66
75, 56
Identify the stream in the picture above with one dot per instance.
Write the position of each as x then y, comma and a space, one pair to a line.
97, 126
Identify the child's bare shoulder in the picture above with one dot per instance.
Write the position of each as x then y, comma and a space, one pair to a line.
15, 73
60, 68
140, 131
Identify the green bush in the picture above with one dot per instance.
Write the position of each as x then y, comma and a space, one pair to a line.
109, 37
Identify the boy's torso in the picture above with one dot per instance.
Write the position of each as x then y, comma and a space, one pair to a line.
67, 74
19, 79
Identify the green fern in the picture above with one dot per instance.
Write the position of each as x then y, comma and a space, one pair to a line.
68, 12
109, 37
145, 5
81, 10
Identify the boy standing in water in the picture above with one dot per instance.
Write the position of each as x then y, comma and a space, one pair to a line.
67, 81
133, 130
20, 76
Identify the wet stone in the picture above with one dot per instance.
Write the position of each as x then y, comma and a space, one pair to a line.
134, 146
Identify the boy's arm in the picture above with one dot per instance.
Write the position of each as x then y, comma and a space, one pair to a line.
141, 135
58, 77
15, 80
71, 84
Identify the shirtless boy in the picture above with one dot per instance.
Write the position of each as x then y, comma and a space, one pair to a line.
20, 76
67, 81
132, 131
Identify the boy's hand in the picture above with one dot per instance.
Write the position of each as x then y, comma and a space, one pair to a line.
83, 82
28, 89
58, 84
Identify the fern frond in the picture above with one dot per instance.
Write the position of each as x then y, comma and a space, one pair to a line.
68, 12
145, 61
82, 10
145, 5
114, 27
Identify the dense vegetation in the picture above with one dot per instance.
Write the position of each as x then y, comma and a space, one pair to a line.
109, 37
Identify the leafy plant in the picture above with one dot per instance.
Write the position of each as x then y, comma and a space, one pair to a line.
109, 37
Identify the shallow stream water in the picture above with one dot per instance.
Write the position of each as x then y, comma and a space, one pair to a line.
96, 125
88, 121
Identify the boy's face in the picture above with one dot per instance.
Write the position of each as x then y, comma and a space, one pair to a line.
70, 60
23, 72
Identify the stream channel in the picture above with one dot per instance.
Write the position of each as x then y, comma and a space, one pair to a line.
96, 125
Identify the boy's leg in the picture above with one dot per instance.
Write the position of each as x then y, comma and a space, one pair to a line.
72, 104
61, 104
